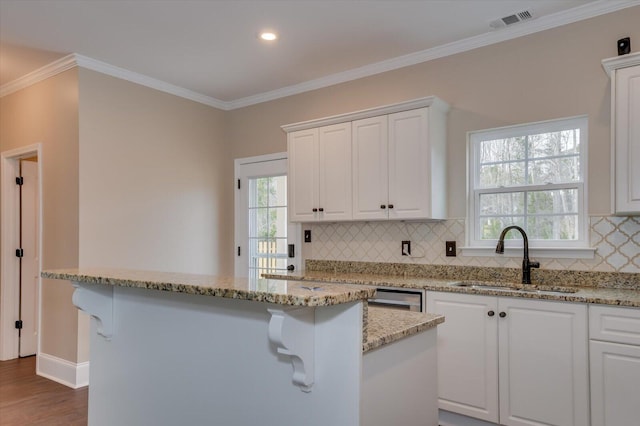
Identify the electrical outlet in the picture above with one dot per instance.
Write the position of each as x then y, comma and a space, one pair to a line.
450, 248
307, 235
406, 248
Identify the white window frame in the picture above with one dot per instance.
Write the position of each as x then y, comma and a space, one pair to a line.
541, 248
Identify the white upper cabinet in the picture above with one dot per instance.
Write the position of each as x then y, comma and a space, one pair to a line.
625, 132
399, 166
370, 168
320, 173
378, 164
302, 180
417, 159
334, 168
394, 167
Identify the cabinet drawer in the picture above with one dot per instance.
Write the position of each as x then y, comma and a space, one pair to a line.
612, 324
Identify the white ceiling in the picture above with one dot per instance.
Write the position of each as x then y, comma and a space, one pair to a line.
212, 48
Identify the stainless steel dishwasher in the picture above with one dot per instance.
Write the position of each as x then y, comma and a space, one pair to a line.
408, 299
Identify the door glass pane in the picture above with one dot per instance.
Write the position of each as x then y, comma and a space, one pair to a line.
267, 225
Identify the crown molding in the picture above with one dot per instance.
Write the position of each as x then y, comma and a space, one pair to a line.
76, 60
56, 67
430, 101
590, 10
143, 80
623, 61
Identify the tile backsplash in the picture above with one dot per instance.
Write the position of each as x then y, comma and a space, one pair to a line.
615, 238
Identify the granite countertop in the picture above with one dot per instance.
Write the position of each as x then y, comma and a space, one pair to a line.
280, 292
605, 296
380, 326
388, 325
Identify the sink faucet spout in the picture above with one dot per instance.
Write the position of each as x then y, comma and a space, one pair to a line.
526, 263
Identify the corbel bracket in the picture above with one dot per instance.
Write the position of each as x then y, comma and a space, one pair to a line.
97, 301
292, 331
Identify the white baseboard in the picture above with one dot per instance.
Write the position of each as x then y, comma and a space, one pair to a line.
71, 374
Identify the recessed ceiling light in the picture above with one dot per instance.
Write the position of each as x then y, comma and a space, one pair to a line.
268, 36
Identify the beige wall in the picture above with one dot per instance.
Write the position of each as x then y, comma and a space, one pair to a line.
47, 113
132, 178
551, 74
155, 180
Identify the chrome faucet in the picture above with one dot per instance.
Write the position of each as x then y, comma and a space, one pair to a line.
526, 263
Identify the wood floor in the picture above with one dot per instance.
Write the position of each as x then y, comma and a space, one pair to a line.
27, 399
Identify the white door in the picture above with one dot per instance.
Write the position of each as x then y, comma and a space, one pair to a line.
264, 234
370, 169
543, 363
29, 274
467, 354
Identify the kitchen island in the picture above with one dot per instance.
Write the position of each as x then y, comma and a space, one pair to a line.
171, 349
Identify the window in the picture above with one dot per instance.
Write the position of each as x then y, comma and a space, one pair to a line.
533, 176
267, 225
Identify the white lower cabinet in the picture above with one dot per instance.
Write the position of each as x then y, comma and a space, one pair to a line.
615, 365
512, 361
467, 354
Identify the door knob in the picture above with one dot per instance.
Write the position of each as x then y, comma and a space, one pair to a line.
491, 313
502, 314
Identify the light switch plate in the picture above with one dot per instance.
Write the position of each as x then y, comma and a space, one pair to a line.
406, 248
450, 247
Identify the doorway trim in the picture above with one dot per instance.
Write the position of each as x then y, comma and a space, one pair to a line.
293, 231
10, 235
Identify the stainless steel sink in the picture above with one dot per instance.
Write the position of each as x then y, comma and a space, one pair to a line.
559, 292
482, 286
514, 289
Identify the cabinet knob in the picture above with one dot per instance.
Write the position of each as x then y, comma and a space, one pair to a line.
502, 314
320, 209
314, 210
382, 206
390, 206
491, 313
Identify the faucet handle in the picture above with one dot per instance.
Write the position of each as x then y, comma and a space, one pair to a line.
534, 264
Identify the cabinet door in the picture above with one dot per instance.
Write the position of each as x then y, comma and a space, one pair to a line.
627, 140
615, 375
543, 363
467, 354
303, 175
409, 165
335, 172
370, 173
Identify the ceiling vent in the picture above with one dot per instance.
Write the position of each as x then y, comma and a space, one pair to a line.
511, 19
